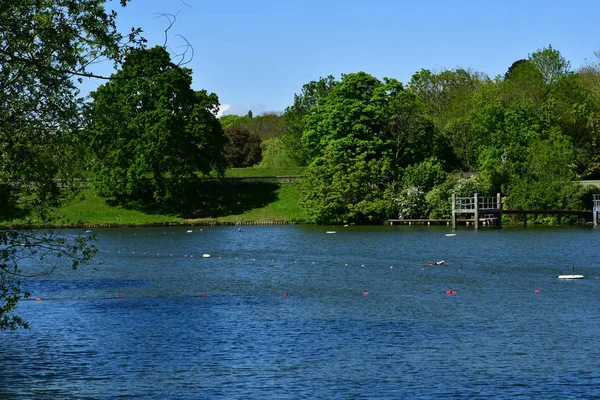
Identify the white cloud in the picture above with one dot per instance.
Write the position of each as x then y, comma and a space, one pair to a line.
222, 109
236, 110
239, 109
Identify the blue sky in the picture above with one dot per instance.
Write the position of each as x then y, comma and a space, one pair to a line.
257, 54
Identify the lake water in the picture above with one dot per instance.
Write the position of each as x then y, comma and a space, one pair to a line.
294, 312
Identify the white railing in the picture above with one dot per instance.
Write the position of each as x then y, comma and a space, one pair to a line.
488, 203
465, 203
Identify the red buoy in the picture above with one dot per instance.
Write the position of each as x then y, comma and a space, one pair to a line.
38, 299
366, 293
202, 296
284, 294
537, 290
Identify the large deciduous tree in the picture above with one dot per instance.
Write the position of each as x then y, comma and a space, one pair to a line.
46, 46
357, 140
147, 125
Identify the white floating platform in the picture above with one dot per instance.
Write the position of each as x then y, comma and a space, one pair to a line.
450, 234
570, 277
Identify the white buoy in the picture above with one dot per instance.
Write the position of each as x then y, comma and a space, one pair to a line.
450, 234
206, 255
189, 231
330, 232
572, 276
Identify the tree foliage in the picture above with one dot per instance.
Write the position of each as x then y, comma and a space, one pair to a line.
152, 128
295, 116
527, 134
357, 139
551, 64
243, 149
46, 47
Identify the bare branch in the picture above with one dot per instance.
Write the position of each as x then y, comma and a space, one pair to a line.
171, 18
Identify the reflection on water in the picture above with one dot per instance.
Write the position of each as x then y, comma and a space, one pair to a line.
292, 312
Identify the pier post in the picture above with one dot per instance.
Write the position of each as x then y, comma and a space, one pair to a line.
596, 208
476, 212
499, 216
453, 211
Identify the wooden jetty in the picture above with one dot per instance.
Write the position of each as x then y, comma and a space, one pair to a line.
482, 210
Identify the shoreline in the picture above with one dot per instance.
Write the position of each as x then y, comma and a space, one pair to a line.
151, 225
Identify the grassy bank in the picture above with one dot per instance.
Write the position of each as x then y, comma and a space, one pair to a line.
206, 204
257, 172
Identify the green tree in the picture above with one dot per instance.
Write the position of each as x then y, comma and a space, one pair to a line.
152, 128
352, 170
448, 98
424, 175
410, 131
524, 85
547, 182
231, 120
551, 64
268, 125
311, 95
349, 182
447, 94
46, 47
243, 149
590, 75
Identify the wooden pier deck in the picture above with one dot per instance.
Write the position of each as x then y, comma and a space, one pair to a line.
447, 221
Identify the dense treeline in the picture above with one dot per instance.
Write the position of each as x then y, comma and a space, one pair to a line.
376, 149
